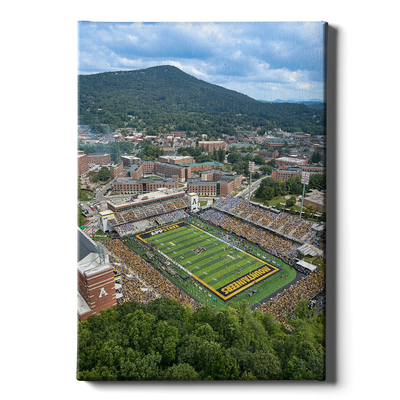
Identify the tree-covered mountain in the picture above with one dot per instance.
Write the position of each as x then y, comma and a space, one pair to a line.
114, 97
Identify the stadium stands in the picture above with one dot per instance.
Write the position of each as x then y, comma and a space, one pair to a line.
150, 210
138, 267
286, 224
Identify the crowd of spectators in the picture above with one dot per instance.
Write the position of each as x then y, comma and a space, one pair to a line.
282, 305
145, 272
171, 217
147, 211
131, 228
286, 224
126, 229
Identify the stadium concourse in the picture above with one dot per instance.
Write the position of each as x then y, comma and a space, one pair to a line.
279, 234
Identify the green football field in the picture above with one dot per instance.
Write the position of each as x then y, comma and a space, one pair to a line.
222, 268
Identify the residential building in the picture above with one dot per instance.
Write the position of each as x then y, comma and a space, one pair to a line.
206, 166
211, 146
285, 174
127, 160
268, 153
83, 165
290, 161
116, 169
99, 158
301, 136
214, 183
127, 185
176, 159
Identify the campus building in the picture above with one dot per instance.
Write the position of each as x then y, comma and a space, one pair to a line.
99, 158
285, 174
290, 161
96, 288
214, 183
211, 146
268, 153
315, 198
83, 165
128, 160
127, 185
195, 167
176, 159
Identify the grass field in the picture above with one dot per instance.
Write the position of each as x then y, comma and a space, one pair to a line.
224, 269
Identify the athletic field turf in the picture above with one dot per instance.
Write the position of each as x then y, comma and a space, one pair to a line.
222, 268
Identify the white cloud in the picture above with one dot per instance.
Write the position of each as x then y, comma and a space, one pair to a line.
255, 59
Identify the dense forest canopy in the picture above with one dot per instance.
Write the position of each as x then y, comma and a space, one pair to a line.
154, 95
166, 341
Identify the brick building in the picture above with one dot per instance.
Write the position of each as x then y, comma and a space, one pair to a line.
285, 174
126, 185
211, 146
279, 142
134, 171
214, 183
116, 169
182, 172
315, 198
99, 158
206, 166
290, 161
176, 159
128, 160
268, 153
96, 289
83, 165
301, 136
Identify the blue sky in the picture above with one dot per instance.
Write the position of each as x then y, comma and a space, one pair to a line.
264, 60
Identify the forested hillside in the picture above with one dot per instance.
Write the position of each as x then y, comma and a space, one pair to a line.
113, 98
166, 341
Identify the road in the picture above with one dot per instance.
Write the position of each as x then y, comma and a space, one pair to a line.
254, 187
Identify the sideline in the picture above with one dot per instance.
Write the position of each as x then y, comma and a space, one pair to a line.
299, 277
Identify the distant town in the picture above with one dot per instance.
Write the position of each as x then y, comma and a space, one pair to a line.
287, 154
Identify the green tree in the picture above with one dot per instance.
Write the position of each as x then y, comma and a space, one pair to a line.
259, 160
268, 193
104, 174
221, 155
98, 374
311, 208
206, 332
181, 372
144, 368
233, 158
266, 169
164, 341
165, 309
291, 201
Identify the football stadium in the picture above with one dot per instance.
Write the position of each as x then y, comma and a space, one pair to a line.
164, 245
218, 265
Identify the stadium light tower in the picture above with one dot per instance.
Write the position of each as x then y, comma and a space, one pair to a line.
251, 169
305, 179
